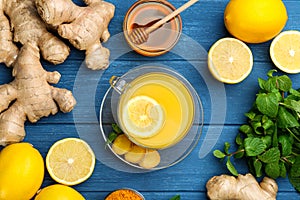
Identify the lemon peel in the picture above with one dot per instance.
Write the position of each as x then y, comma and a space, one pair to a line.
255, 21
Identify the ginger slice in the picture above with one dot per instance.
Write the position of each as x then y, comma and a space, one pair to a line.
151, 159
135, 154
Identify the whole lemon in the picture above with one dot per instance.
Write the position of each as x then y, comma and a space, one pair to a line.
255, 21
21, 171
58, 192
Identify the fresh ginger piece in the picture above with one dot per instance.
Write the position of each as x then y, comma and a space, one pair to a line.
84, 27
150, 160
244, 187
135, 154
8, 50
29, 95
121, 145
27, 26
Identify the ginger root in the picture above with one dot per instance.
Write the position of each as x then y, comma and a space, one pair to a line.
84, 27
29, 95
8, 50
244, 187
27, 26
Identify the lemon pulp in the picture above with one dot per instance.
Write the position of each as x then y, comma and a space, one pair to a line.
70, 161
230, 60
285, 51
144, 116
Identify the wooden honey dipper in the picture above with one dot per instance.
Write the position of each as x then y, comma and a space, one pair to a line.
141, 34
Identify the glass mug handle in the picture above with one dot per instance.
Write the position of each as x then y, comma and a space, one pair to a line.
117, 84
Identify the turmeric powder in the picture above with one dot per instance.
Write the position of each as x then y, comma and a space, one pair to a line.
124, 194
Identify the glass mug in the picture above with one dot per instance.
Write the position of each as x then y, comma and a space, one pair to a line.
154, 106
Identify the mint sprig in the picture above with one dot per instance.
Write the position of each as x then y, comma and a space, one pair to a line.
270, 140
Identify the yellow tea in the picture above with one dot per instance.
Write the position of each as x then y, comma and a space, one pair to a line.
156, 110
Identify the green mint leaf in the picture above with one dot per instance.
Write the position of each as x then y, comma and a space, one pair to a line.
258, 168
267, 104
264, 119
291, 160
254, 146
257, 127
240, 152
278, 96
270, 72
268, 124
111, 137
176, 197
231, 168
285, 119
226, 147
267, 140
219, 154
238, 139
270, 156
282, 169
257, 118
294, 175
250, 115
246, 129
284, 83
286, 145
295, 105
261, 83
294, 92
270, 85
275, 137
116, 128
272, 170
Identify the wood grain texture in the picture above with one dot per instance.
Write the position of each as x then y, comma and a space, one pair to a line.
202, 25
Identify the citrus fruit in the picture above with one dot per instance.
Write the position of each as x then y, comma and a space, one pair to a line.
255, 21
285, 51
70, 161
21, 171
143, 116
230, 60
57, 192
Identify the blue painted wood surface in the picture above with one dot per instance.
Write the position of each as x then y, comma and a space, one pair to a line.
203, 25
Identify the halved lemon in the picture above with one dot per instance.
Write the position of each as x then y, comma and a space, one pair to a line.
143, 117
70, 161
285, 51
230, 60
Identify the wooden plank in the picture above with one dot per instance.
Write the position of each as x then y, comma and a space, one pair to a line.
239, 97
202, 26
175, 178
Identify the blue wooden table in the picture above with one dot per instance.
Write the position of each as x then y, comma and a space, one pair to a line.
224, 105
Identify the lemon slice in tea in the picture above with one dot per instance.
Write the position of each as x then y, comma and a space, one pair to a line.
230, 60
143, 117
285, 51
70, 161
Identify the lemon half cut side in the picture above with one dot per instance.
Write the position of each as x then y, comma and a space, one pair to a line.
230, 60
70, 161
285, 51
143, 117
